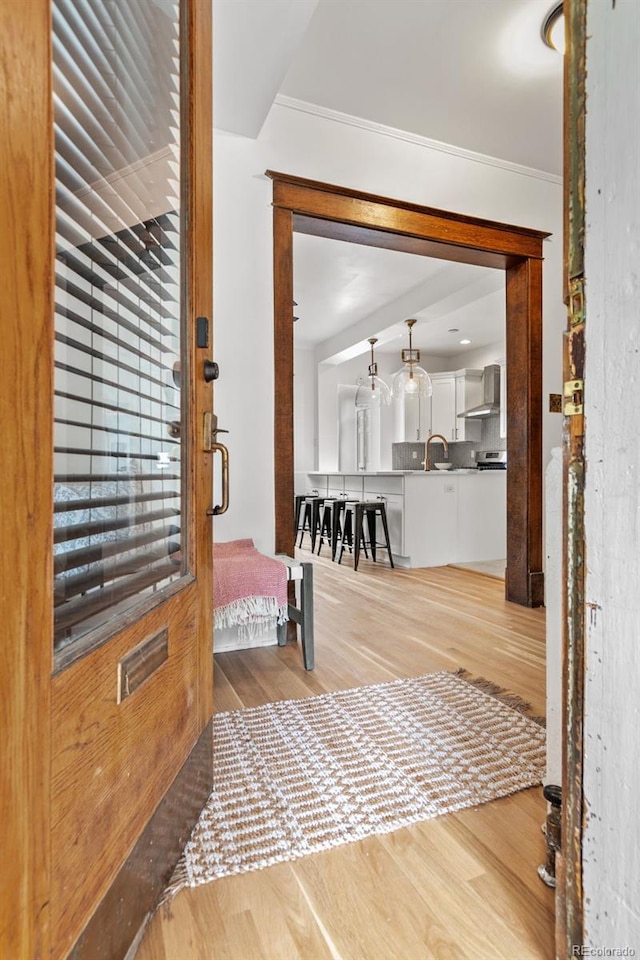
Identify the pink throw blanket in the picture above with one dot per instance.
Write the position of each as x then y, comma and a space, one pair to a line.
249, 589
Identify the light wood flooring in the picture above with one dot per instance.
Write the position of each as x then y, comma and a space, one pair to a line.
490, 568
459, 887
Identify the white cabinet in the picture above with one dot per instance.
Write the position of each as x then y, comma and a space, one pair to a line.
443, 405
430, 519
453, 393
469, 393
482, 516
434, 518
391, 490
412, 419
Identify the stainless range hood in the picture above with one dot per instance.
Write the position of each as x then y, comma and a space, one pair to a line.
490, 405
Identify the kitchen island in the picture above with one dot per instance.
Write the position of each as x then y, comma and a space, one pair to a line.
435, 517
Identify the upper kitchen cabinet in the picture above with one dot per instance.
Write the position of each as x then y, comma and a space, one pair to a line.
468, 394
412, 418
454, 392
443, 405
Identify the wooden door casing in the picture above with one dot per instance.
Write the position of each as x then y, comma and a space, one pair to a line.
321, 209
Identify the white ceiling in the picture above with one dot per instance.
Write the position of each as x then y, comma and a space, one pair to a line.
346, 293
471, 73
254, 42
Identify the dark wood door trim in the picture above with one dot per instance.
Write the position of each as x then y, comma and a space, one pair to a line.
524, 433
342, 213
283, 344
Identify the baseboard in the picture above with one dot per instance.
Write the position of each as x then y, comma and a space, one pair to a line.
138, 887
227, 639
536, 588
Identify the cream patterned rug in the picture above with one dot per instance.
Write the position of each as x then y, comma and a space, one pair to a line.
299, 776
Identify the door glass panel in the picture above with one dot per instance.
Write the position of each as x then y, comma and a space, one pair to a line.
119, 411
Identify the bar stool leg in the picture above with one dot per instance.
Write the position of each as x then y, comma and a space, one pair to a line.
315, 522
306, 624
335, 524
325, 526
306, 515
347, 532
385, 527
337, 509
371, 525
357, 536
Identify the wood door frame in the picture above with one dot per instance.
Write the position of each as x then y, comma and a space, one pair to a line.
26, 388
321, 209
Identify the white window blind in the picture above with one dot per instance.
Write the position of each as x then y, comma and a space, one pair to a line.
119, 463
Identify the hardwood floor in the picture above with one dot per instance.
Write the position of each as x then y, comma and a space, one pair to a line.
459, 887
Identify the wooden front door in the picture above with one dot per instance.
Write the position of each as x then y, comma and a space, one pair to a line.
106, 319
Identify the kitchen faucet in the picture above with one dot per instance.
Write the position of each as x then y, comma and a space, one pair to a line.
434, 436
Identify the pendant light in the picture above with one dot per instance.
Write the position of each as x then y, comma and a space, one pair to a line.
553, 29
372, 392
412, 380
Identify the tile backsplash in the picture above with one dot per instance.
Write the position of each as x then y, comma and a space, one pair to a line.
491, 439
410, 456
407, 456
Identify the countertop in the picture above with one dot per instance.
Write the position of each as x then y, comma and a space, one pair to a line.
398, 473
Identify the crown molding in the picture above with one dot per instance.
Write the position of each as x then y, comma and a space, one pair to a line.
291, 103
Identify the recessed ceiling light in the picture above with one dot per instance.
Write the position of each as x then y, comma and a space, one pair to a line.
465, 341
553, 29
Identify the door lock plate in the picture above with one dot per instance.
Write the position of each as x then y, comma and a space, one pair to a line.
209, 425
573, 398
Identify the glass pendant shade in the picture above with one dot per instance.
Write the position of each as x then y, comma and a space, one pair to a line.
372, 391
553, 29
412, 380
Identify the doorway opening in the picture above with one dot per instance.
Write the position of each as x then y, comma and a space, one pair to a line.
320, 209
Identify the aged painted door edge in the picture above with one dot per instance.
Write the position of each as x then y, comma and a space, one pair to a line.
569, 899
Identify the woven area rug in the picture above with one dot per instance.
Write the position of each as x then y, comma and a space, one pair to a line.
299, 776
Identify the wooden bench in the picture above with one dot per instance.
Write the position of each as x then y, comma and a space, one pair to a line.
302, 611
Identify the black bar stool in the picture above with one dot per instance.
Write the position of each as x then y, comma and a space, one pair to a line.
297, 512
308, 518
355, 513
329, 523
347, 529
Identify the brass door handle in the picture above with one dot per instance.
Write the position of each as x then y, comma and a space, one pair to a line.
224, 506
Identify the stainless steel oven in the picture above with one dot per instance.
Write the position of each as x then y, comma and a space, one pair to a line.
491, 459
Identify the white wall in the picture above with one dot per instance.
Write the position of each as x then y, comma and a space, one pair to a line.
321, 148
480, 358
611, 851
305, 427
330, 376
